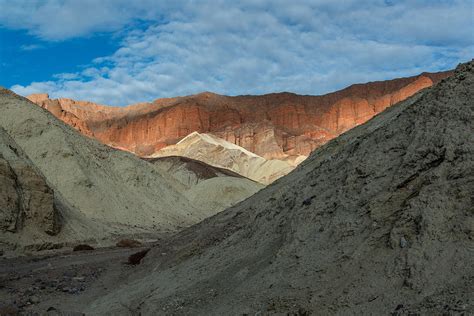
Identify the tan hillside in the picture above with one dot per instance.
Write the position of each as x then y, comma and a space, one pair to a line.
221, 153
207, 187
107, 192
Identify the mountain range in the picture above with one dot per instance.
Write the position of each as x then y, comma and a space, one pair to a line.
278, 126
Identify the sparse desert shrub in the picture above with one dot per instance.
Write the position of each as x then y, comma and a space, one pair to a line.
82, 247
137, 257
128, 243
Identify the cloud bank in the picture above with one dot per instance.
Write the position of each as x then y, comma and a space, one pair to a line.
245, 47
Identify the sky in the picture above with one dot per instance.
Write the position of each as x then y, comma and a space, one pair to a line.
119, 52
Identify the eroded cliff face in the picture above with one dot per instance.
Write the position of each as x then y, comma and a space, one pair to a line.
273, 125
26, 200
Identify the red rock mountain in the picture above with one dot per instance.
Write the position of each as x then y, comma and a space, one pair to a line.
275, 125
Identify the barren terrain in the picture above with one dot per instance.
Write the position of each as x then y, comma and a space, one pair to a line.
378, 221
54, 282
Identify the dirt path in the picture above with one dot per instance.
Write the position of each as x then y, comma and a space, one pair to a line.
24, 265
60, 282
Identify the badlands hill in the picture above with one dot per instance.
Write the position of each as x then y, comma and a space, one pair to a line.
97, 192
377, 221
273, 126
221, 153
26, 200
209, 188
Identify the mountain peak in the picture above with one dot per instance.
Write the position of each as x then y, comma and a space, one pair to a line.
207, 94
38, 97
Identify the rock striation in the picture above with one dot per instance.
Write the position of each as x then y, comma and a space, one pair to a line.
218, 152
26, 200
195, 170
273, 126
378, 221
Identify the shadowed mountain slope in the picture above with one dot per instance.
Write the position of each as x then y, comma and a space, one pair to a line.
207, 187
377, 221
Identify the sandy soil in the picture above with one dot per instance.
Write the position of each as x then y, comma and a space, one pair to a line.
61, 281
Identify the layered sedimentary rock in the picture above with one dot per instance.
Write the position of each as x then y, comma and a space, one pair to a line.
221, 153
378, 221
100, 192
272, 126
26, 200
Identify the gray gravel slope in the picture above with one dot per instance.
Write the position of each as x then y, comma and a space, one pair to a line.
377, 221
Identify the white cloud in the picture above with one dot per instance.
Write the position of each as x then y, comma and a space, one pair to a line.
248, 46
30, 47
66, 76
62, 19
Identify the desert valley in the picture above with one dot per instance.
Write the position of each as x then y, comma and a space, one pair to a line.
97, 195
358, 201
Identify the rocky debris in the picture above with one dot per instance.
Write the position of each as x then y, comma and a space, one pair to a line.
128, 243
137, 257
403, 242
82, 247
9, 310
407, 173
46, 245
52, 281
53, 311
273, 126
34, 299
26, 199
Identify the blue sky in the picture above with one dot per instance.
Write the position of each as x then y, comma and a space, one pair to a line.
120, 52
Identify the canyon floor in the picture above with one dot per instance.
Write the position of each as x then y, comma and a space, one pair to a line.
61, 281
